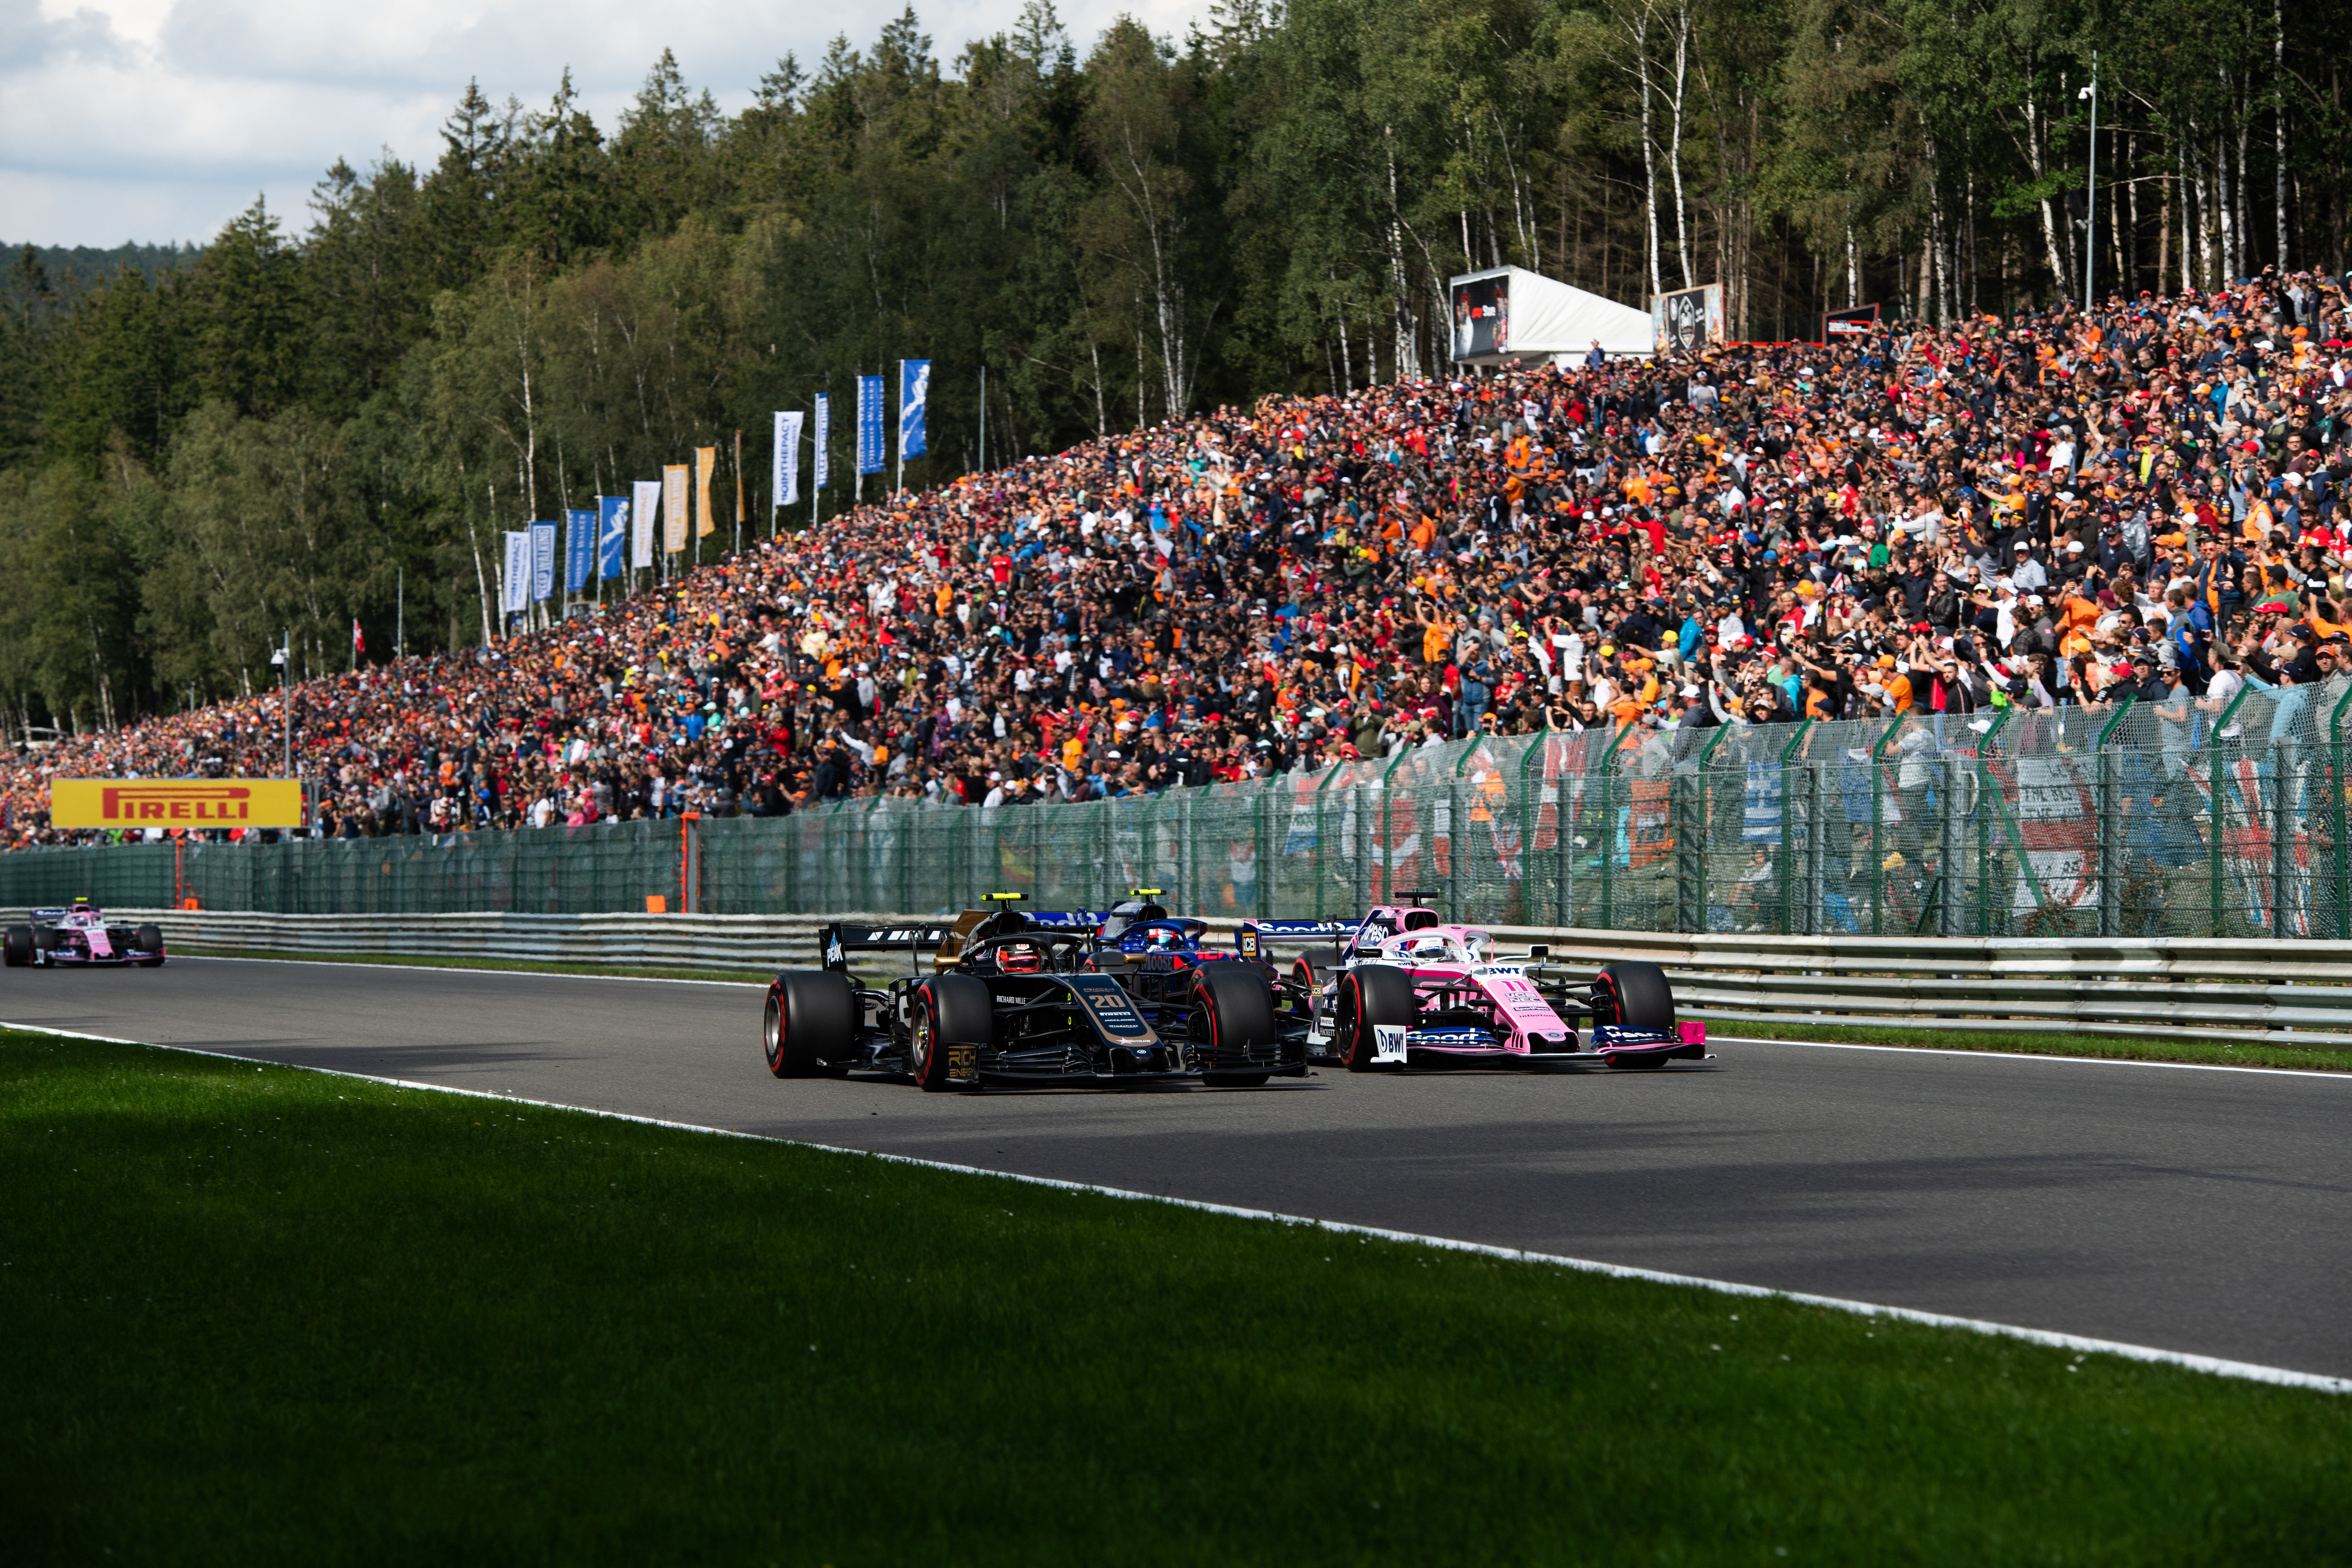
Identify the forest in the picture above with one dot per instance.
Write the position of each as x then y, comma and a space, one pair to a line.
331, 416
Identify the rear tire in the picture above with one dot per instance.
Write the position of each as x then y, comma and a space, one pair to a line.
950, 1009
810, 1020
1632, 993
1233, 1012
19, 948
149, 939
1369, 996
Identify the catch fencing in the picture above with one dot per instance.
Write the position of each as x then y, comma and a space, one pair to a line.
2196, 819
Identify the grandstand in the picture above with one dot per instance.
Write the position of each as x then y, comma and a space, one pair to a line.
2006, 531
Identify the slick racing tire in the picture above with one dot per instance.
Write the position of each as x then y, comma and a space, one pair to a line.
810, 1020
1233, 1014
949, 1009
1632, 993
149, 939
19, 950
1370, 995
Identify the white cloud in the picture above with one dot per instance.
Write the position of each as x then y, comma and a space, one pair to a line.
159, 120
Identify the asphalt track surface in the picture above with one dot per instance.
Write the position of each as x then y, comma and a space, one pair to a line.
2203, 1211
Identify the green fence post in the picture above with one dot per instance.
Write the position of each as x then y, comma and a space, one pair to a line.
2110, 824
1322, 833
1991, 789
2336, 815
2218, 815
1610, 765
1530, 814
1878, 829
1788, 821
1696, 819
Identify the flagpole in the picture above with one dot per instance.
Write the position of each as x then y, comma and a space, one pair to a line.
739, 492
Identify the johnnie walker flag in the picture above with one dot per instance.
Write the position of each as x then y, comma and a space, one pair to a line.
914, 390
820, 464
542, 560
645, 505
579, 548
514, 583
869, 424
674, 507
613, 540
784, 485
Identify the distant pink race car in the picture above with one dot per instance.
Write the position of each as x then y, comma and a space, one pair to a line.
1406, 986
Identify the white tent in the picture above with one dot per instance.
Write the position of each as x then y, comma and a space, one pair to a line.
1508, 314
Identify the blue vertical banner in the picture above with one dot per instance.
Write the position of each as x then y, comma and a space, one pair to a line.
542, 560
613, 537
579, 548
820, 466
914, 391
869, 424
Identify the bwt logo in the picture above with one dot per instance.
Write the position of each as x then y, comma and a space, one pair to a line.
176, 803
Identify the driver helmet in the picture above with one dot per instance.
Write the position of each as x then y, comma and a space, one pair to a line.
1163, 940
1020, 958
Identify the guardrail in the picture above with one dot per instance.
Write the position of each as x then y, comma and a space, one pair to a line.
2232, 991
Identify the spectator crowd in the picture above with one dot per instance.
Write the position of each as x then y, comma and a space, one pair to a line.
2145, 501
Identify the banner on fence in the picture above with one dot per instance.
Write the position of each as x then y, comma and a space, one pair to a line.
176, 803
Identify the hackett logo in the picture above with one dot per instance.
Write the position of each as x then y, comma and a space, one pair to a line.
213, 804
192, 804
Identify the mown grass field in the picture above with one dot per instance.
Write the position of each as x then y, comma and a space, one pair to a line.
256, 1314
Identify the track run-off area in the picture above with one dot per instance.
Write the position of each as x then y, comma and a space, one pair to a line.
2206, 1212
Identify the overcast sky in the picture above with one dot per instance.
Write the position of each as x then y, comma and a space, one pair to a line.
158, 120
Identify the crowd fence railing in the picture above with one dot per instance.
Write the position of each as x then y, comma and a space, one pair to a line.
2191, 819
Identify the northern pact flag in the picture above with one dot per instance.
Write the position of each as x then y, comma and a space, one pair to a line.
542, 562
914, 391
579, 548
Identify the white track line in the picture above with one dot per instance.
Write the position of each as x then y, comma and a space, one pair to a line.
451, 969
2031, 1057
2251, 1372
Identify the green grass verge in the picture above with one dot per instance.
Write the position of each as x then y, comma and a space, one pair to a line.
264, 1315
518, 965
2044, 1045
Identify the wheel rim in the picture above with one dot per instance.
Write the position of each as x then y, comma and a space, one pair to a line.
771, 1029
1343, 1025
918, 1051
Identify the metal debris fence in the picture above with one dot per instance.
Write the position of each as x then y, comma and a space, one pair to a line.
2203, 818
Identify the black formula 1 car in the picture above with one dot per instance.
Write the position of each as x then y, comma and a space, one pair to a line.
1009, 999
78, 937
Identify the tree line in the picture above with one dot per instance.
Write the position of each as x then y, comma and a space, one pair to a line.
332, 419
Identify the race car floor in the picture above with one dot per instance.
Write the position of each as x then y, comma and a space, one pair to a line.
2206, 1212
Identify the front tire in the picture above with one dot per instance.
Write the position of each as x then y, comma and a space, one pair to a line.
810, 1021
18, 952
1632, 993
949, 1010
149, 939
1371, 996
1233, 1014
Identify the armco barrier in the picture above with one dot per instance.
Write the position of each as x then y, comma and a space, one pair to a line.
2233, 991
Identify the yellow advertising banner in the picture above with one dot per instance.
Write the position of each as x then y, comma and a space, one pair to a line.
674, 507
706, 462
176, 803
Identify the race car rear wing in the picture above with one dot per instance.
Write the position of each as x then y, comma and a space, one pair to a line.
1252, 936
915, 940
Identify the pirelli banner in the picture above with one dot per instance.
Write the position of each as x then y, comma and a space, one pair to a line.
176, 803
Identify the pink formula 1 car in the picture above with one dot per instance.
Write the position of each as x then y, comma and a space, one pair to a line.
1405, 987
